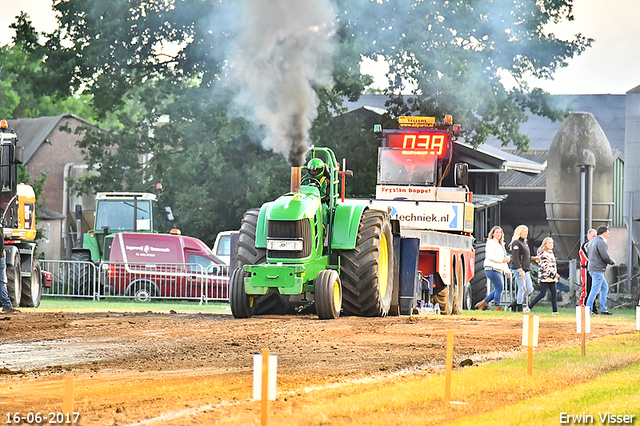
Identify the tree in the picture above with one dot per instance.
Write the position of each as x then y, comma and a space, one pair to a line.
28, 88
452, 54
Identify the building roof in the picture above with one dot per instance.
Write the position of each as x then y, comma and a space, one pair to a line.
484, 201
33, 132
635, 90
609, 111
512, 160
517, 180
48, 214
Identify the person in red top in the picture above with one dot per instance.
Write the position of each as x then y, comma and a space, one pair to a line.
585, 278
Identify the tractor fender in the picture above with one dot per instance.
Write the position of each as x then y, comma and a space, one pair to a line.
261, 226
12, 253
346, 222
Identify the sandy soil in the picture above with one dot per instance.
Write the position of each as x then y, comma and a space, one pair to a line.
131, 367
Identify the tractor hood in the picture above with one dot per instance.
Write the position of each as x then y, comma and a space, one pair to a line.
296, 206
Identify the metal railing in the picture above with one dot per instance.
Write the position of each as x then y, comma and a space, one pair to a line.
139, 281
509, 292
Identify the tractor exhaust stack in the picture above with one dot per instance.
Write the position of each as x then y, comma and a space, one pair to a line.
295, 179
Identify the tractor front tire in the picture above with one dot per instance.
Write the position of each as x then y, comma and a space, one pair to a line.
328, 294
367, 271
249, 254
241, 303
14, 282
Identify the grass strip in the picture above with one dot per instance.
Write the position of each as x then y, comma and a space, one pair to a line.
607, 379
57, 304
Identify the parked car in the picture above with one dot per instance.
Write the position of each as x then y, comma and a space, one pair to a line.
222, 246
146, 266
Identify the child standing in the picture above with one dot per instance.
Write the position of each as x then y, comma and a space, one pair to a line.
548, 274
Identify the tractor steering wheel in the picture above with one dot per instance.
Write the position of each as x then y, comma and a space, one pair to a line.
310, 180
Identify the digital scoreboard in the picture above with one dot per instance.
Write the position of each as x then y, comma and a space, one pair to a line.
433, 141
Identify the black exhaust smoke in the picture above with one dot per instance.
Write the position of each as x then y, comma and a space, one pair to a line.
283, 48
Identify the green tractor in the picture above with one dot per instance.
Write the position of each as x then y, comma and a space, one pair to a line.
308, 244
115, 212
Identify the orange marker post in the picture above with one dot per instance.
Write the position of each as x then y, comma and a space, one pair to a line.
67, 402
530, 337
449, 367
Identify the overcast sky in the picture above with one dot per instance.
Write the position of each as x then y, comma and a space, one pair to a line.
611, 65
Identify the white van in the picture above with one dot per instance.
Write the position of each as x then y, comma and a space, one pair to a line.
222, 246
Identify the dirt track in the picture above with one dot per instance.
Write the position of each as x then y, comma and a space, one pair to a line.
131, 367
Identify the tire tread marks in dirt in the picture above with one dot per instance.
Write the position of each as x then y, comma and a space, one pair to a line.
359, 268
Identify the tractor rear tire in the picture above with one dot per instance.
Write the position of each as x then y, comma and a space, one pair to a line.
367, 270
478, 284
32, 287
241, 304
81, 274
14, 282
328, 294
249, 254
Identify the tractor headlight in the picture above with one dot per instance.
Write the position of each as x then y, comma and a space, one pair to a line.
288, 245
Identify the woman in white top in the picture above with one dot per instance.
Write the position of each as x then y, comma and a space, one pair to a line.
495, 265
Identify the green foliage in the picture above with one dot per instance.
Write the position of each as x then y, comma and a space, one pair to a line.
28, 88
452, 54
37, 185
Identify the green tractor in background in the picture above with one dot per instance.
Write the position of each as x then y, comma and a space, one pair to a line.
115, 212
307, 243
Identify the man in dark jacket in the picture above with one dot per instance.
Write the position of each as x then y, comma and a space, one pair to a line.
598, 260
